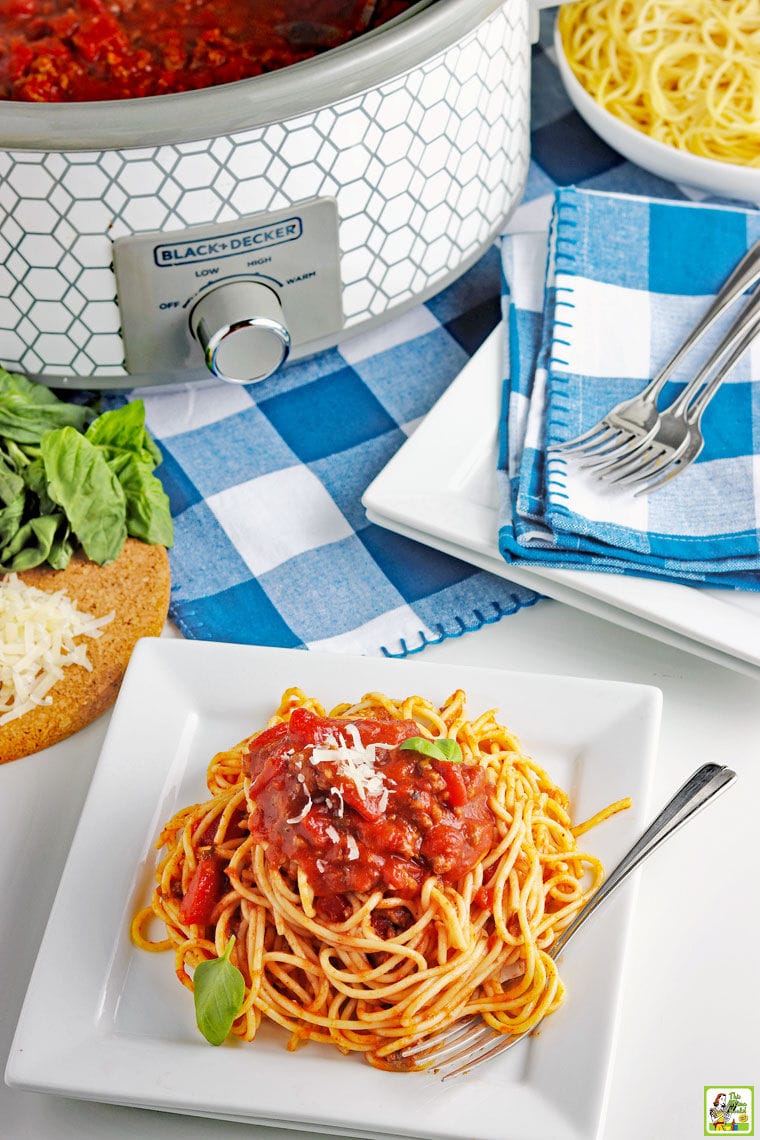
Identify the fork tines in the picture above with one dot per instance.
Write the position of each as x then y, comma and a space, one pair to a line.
628, 428
592, 441
455, 1050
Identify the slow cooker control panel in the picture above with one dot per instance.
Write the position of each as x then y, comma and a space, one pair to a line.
239, 295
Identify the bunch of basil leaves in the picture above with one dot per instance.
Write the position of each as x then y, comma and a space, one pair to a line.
71, 478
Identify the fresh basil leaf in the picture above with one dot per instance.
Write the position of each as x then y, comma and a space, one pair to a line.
32, 543
123, 430
219, 991
20, 456
10, 519
82, 483
100, 476
450, 749
28, 410
61, 550
423, 745
11, 483
36, 481
147, 504
442, 748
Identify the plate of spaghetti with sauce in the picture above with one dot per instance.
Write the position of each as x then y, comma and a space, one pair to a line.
340, 856
670, 85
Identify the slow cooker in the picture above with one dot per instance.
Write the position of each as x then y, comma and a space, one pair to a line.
150, 241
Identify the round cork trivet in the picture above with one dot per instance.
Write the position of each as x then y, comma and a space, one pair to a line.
136, 588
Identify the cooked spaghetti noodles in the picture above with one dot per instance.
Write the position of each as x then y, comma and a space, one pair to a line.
685, 73
375, 893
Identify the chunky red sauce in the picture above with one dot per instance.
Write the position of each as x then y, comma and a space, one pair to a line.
417, 816
54, 51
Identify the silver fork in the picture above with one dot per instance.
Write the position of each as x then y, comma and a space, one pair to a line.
677, 438
632, 421
468, 1043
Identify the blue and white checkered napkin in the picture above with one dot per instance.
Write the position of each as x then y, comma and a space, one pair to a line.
272, 545
592, 311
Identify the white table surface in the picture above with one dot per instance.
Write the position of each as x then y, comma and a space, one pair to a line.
691, 1002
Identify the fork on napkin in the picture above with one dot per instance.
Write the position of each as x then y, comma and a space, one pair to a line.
591, 310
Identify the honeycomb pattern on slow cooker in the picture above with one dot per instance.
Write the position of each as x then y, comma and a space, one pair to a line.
422, 168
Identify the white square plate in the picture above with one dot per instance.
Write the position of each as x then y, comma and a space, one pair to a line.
440, 489
104, 1021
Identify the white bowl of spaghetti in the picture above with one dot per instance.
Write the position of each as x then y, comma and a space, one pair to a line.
673, 87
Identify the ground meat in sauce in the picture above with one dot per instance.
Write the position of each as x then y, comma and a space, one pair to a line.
428, 819
85, 50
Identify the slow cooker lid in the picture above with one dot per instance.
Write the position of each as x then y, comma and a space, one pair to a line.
429, 27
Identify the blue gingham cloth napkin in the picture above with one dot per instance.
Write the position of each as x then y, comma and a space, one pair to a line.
592, 310
272, 545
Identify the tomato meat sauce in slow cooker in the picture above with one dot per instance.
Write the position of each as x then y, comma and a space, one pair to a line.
342, 802
52, 51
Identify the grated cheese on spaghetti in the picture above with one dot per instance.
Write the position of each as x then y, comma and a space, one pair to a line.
355, 763
302, 813
38, 639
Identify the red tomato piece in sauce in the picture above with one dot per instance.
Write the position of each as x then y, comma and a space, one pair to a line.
204, 891
377, 817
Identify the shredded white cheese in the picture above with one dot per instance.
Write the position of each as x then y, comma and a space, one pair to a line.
353, 847
38, 639
354, 762
302, 813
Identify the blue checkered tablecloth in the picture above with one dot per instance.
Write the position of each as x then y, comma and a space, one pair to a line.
272, 544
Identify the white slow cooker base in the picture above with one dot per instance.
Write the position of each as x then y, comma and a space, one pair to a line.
425, 168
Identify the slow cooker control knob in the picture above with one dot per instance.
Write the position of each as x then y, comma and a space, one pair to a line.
241, 328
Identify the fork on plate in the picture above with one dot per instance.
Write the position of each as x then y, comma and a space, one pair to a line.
470, 1042
631, 424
